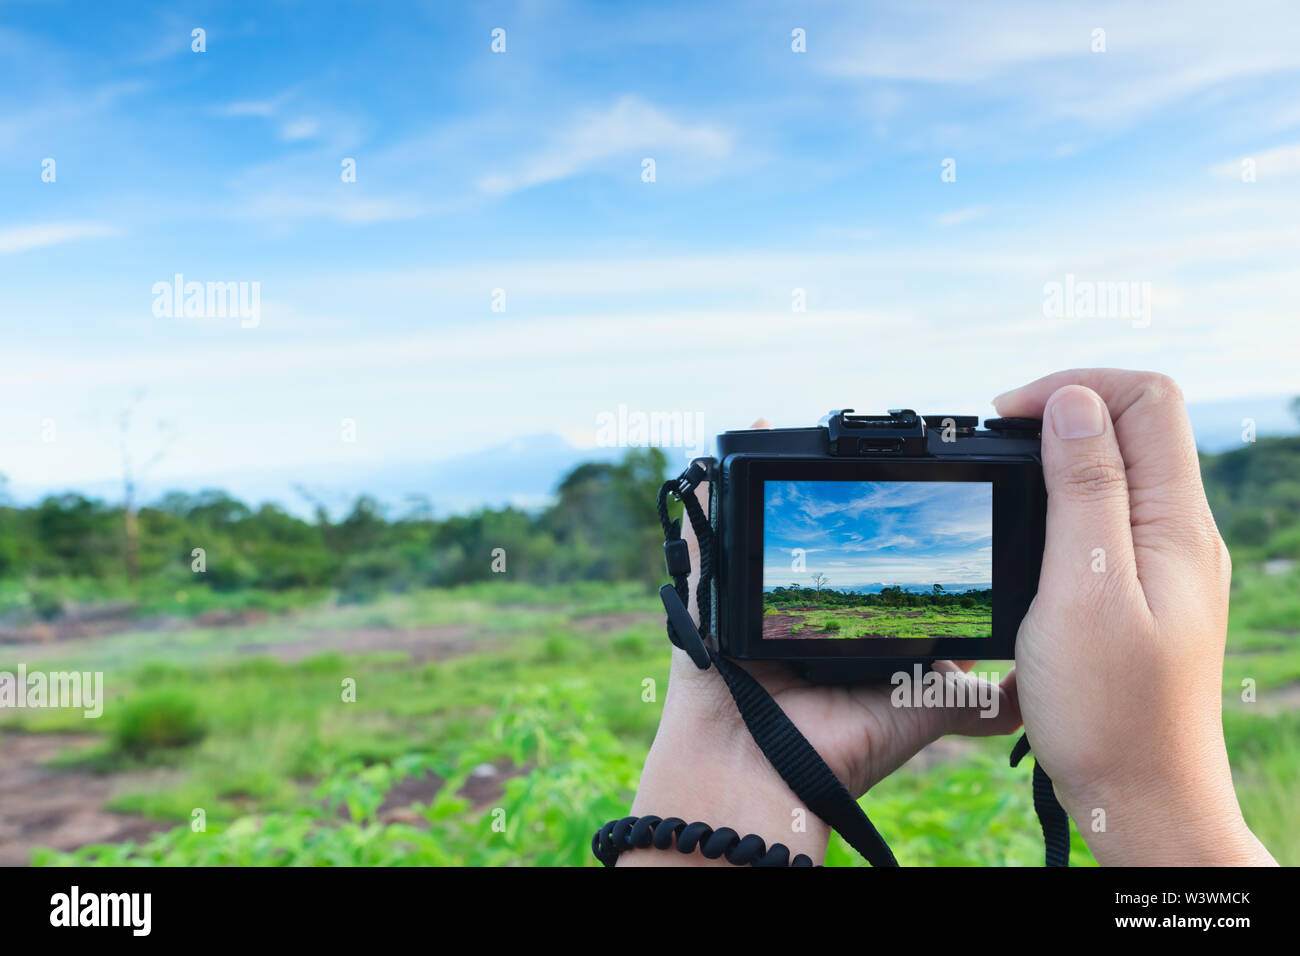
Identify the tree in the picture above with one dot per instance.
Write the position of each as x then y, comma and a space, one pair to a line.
167, 435
819, 581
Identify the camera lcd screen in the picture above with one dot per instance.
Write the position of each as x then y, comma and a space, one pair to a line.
888, 560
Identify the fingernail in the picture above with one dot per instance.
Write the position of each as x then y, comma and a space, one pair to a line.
1077, 413
999, 398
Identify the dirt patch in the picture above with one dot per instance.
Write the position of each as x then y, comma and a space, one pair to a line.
62, 808
488, 781
104, 620
609, 623
781, 627
420, 644
241, 617
404, 803
72, 623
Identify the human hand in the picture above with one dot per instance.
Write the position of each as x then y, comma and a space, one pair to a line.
704, 765
1119, 662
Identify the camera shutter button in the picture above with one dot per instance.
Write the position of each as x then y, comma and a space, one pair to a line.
1015, 426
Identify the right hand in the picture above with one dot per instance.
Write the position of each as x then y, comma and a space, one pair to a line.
1119, 662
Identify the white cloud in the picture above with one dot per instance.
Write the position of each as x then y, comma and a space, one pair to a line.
959, 216
1287, 117
262, 108
22, 238
629, 128
1040, 57
1270, 163
299, 129
79, 109
291, 130
352, 210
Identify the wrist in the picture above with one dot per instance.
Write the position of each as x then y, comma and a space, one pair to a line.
1167, 822
705, 766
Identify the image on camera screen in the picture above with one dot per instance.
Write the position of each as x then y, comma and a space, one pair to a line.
877, 559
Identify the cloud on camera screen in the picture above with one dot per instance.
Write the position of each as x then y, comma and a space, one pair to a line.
877, 559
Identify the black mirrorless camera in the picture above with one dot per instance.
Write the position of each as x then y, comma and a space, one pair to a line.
870, 543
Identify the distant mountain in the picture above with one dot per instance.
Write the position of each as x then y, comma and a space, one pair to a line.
522, 472
1218, 426
880, 586
525, 471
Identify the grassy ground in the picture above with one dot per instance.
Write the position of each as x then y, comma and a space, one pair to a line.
881, 622
501, 724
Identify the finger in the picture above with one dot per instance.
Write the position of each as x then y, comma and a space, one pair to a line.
1089, 547
1011, 694
1009, 684
999, 716
901, 730
973, 706
1171, 520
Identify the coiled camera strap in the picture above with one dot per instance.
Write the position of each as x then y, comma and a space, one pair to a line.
789, 752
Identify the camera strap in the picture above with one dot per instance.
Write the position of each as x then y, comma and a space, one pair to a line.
1051, 815
789, 752
794, 758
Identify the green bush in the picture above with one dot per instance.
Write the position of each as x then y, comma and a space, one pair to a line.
157, 719
630, 645
46, 603
559, 647
1284, 544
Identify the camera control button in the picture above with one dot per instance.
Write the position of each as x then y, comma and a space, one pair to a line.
1023, 427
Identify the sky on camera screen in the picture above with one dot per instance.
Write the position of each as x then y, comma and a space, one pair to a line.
864, 536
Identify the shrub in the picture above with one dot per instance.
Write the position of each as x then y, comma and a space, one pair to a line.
46, 602
157, 719
631, 645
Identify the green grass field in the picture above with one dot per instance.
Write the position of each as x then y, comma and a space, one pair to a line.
500, 724
901, 622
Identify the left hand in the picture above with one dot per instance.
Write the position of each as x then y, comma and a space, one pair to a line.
704, 765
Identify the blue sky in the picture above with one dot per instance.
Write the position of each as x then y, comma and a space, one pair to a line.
775, 171
863, 533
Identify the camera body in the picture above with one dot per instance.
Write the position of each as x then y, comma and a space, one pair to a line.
867, 544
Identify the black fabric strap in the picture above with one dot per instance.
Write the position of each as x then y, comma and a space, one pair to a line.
1051, 815
800, 766
789, 752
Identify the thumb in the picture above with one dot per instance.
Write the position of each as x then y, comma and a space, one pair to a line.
1089, 542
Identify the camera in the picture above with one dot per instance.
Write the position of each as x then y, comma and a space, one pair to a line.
870, 543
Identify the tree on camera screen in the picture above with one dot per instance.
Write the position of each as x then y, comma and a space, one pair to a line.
846, 559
